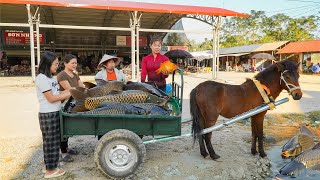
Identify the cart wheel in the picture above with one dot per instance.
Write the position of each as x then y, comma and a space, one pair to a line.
119, 153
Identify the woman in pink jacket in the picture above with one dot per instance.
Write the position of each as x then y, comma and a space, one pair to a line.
151, 63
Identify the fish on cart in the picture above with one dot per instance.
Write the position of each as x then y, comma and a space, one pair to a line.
153, 108
301, 142
117, 108
306, 163
146, 88
104, 89
87, 102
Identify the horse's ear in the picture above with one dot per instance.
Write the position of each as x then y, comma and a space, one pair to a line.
298, 64
280, 67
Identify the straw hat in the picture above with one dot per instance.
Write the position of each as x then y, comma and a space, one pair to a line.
107, 57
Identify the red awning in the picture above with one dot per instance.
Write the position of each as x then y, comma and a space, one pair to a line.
131, 6
301, 47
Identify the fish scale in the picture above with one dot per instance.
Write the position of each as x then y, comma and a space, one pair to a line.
305, 141
124, 97
116, 108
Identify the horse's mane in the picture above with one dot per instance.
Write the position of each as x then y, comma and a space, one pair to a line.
265, 75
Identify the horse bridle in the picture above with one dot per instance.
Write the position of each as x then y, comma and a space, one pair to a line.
293, 87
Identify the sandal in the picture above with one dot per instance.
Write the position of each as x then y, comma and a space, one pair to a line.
72, 151
67, 158
57, 173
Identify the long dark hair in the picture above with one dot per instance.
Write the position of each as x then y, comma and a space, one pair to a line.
45, 64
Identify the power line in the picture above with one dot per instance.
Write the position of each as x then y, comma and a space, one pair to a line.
305, 1
309, 11
289, 9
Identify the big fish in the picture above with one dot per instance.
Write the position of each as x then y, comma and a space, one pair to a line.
84, 101
301, 142
117, 108
166, 66
102, 90
305, 163
153, 108
89, 85
144, 87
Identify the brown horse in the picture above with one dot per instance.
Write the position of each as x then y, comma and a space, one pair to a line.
210, 99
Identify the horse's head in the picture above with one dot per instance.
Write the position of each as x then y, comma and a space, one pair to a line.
289, 78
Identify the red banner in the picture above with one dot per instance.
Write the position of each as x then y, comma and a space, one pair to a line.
177, 47
142, 41
19, 37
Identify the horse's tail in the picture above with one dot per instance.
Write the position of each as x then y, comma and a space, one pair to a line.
195, 115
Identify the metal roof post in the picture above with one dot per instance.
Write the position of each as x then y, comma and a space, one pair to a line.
216, 22
133, 49
138, 47
37, 20
218, 45
30, 20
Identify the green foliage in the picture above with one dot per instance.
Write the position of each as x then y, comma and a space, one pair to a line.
259, 28
174, 40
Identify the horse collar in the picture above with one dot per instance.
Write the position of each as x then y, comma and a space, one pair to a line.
263, 90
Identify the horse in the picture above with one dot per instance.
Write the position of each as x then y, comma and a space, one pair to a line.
210, 99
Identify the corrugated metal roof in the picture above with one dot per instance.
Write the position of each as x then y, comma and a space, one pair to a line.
235, 55
239, 49
270, 46
132, 6
301, 47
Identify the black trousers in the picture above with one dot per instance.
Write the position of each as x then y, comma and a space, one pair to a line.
64, 145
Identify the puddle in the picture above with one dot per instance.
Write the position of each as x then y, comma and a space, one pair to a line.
274, 154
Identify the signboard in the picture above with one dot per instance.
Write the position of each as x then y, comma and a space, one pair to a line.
20, 37
126, 41
121, 41
177, 47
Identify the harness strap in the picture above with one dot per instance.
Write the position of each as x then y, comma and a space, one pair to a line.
262, 90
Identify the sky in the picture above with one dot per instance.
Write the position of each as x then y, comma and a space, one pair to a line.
293, 8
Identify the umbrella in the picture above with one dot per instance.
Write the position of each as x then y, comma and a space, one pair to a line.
178, 53
263, 56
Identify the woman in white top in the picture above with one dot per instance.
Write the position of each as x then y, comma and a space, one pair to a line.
50, 97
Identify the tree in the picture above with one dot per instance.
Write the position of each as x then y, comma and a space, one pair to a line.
258, 28
174, 39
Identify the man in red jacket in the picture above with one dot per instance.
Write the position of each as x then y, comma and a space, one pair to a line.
151, 63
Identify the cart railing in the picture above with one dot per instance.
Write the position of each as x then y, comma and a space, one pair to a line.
177, 88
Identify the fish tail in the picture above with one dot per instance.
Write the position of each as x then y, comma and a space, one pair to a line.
89, 85
80, 98
158, 71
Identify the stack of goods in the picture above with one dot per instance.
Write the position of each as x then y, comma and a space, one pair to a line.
127, 70
115, 97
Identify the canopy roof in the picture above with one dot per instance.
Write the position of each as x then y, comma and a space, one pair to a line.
100, 13
239, 49
270, 46
131, 6
301, 47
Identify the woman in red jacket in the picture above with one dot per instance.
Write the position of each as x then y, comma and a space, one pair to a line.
151, 63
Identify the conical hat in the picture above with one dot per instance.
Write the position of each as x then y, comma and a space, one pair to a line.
107, 57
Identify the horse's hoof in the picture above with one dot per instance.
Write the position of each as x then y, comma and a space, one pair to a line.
253, 152
262, 154
204, 154
215, 157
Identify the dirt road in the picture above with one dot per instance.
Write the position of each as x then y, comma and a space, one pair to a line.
20, 139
